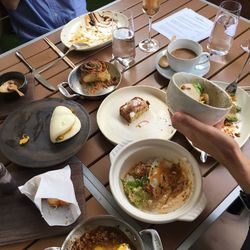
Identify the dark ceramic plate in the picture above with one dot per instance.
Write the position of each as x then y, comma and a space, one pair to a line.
33, 119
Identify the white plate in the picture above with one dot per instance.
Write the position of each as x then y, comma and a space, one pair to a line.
155, 123
168, 72
243, 101
100, 33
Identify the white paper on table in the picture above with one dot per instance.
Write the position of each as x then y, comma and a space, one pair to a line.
53, 184
185, 23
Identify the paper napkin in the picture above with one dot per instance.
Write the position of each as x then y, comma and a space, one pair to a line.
53, 184
185, 23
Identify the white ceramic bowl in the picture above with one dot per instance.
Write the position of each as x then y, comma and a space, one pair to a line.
177, 100
126, 155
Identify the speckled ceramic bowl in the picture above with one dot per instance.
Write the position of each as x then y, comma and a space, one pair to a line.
177, 100
126, 155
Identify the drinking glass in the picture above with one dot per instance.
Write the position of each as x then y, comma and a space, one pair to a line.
224, 29
150, 7
123, 38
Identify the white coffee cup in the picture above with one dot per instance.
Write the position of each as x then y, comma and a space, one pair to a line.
191, 59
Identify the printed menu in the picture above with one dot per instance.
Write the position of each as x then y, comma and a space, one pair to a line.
185, 23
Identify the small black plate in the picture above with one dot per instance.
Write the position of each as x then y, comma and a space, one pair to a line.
33, 119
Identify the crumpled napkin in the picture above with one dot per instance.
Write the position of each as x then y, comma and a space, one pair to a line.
53, 184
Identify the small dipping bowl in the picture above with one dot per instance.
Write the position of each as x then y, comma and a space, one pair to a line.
19, 79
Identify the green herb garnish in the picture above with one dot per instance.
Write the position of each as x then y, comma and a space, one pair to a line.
91, 84
238, 109
135, 192
231, 118
198, 86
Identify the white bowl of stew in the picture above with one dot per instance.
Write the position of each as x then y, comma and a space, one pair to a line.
185, 93
156, 181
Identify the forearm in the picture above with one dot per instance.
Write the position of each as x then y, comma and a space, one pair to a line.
228, 153
239, 168
10, 4
222, 147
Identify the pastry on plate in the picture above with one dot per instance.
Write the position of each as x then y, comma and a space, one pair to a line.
64, 124
133, 109
94, 71
95, 76
53, 202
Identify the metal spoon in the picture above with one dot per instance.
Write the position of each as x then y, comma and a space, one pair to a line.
232, 87
163, 62
12, 86
203, 156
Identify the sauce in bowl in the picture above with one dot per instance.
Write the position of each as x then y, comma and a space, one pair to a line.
4, 86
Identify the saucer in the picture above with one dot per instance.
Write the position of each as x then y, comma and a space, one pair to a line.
168, 72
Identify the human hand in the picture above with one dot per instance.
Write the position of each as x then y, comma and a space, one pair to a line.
207, 138
219, 145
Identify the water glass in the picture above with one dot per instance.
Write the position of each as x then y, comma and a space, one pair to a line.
224, 29
7, 183
123, 38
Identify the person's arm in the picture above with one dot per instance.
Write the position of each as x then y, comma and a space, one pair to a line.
213, 141
10, 4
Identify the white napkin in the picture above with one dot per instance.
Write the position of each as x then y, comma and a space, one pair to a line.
53, 184
185, 23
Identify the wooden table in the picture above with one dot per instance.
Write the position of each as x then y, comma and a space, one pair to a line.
218, 184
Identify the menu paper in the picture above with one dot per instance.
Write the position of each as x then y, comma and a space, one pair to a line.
53, 184
185, 24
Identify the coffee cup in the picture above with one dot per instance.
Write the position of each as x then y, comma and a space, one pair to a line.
186, 55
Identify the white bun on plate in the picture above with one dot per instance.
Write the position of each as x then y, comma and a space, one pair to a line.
63, 124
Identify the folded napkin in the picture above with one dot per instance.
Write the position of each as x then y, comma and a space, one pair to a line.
53, 184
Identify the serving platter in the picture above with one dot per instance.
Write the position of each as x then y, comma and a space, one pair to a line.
243, 126
155, 123
93, 29
33, 119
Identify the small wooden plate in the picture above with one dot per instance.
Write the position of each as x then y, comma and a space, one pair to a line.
33, 119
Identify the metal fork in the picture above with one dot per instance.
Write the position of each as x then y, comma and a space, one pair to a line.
59, 52
232, 87
71, 48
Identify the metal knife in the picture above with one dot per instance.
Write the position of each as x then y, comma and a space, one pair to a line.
36, 74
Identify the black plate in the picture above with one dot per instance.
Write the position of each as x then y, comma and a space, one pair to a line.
33, 119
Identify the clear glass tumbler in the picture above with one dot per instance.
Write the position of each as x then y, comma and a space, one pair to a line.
224, 29
123, 38
7, 183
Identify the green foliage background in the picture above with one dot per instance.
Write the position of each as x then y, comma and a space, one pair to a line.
95, 4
